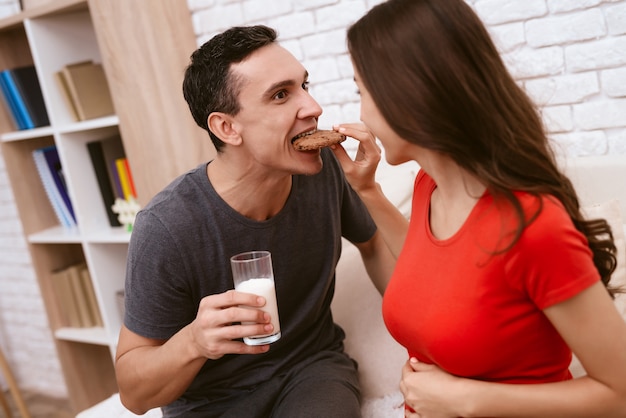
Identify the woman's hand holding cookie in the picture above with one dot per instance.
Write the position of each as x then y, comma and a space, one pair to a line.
360, 172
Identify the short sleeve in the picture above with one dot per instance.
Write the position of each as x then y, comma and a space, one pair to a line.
552, 261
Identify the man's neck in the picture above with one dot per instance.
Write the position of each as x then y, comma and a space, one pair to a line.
254, 195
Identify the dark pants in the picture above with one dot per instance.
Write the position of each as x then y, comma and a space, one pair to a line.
323, 386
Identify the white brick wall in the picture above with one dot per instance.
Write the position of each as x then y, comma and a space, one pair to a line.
570, 55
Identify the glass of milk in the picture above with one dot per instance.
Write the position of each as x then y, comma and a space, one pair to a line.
252, 273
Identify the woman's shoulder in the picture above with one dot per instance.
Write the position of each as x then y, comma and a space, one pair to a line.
423, 180
548, 223
543, 209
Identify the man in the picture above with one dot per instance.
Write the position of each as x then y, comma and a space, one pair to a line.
180, 347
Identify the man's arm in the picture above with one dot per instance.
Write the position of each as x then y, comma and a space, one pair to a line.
152, 373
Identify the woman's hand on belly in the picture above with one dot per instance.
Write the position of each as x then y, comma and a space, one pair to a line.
430, 392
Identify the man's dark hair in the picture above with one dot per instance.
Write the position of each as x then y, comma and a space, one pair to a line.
209, 85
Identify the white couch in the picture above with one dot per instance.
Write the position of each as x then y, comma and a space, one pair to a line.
357, 304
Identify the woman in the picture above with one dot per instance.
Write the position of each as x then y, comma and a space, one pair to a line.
498, 277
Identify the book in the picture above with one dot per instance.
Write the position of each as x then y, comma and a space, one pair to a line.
54, 165
49, 187
114, 149
74, 291
100, 163
9, 104
125, 177
62, 287
50, 178
90, 294
17, 105
131, 183
120, 302
65, 93
117, 184
27, 83
89, 90
85, 319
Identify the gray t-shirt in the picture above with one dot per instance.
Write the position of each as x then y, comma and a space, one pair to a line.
179, 253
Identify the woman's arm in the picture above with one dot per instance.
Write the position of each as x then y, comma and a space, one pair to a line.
589, 323
361, 173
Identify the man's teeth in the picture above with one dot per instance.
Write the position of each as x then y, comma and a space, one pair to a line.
303, 134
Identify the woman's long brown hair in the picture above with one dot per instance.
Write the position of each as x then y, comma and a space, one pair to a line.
439, 81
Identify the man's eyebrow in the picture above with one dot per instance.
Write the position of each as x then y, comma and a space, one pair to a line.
283, 83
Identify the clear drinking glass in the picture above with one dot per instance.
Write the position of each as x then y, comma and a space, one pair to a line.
253, 273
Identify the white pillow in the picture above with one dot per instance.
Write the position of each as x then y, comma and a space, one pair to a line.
112, 408
357, 305
611, 212
397, 184
357, 308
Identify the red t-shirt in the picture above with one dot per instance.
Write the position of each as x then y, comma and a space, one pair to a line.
476, 314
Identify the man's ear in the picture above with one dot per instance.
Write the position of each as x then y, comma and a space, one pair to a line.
223, 126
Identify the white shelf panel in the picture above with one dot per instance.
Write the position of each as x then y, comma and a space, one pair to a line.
61, 235
93, 335
86, 125
27, 134
117, 235
56, 235
89, 124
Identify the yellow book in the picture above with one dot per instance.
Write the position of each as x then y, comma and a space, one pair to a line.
120, 164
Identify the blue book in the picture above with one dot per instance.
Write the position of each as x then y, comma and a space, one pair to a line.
11, 104
50, 188
20, 105
54, 165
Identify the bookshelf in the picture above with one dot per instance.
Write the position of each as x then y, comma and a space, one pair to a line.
143, 49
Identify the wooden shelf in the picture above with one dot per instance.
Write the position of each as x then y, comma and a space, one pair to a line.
95, 335
27, 134
51, 8
158, 134
56, 235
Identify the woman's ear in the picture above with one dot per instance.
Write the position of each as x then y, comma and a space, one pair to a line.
223, 126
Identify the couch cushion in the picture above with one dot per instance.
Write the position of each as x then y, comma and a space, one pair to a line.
611, 212
598, 179
357, 305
